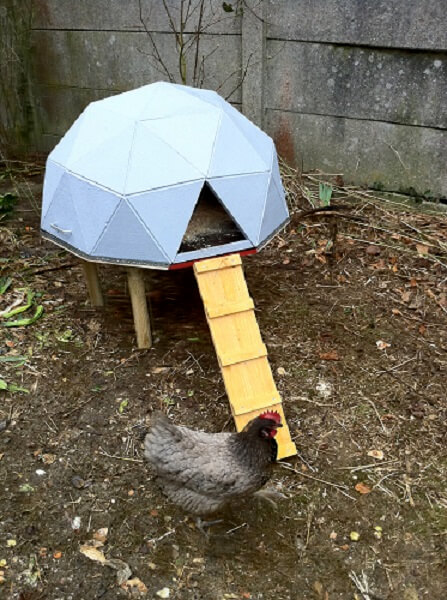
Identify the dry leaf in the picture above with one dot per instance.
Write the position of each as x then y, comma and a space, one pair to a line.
381, 345
333, 535
281, 371
373, 250
362, 488
57, 554
422, 249
135, 583
318, 587
422, 329
390, 416
332, 355
101, 534
379, 265
157, 370
93, 554
48, 459
413, 282
376, 454
406, 296
286, 261
396, 311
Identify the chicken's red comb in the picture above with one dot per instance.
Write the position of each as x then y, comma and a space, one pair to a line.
272, 415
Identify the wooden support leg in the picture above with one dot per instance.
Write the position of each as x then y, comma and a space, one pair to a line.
139, 307
93, 285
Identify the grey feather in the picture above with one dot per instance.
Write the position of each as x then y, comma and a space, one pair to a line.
201, 471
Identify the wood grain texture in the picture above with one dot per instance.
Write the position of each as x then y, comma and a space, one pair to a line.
241, 353
139, 307
93, 284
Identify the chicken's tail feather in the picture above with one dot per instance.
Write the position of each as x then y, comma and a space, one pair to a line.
161, 436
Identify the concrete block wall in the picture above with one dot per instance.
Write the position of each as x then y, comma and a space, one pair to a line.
346, 86
359, 87
85, 50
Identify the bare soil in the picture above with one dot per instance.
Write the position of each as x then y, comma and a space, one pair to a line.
353, 309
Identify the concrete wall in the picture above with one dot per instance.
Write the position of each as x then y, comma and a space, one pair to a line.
359, 87
348, 86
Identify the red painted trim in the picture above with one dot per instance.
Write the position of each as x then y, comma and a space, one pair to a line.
185, 265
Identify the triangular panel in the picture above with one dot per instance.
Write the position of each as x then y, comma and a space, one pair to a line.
154, 164
61, 219
255, 136
126, 238
210, 225
106, 164
192, 136
275, 212
130, 104
53, 174
98, 127
94, 207
63, 149
170, 100
233, 155
244, 197
166, 213
207, 96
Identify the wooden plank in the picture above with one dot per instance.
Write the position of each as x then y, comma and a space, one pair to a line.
240, 350
221, 310
222, 287
242, 406
216, 264
251, 379
233, 358
237, 334
93, 284
139, 307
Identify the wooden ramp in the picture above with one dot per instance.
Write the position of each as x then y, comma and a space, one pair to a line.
240, 351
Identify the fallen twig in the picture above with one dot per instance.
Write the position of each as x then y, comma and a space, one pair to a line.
340, 488
125, 458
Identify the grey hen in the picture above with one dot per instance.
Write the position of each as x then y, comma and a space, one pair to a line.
202, 472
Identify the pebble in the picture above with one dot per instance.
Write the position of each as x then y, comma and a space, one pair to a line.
77, 482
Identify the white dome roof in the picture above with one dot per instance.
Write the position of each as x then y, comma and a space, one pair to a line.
123, 183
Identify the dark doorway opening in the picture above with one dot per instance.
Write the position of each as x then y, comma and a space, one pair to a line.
210, 224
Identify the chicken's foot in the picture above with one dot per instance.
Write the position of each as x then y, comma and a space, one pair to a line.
270, 496
202, 525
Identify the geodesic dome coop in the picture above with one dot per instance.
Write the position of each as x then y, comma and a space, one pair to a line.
159, 176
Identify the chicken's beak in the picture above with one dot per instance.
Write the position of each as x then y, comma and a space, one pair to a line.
278, 425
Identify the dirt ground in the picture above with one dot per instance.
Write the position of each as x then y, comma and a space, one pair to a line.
353, 308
